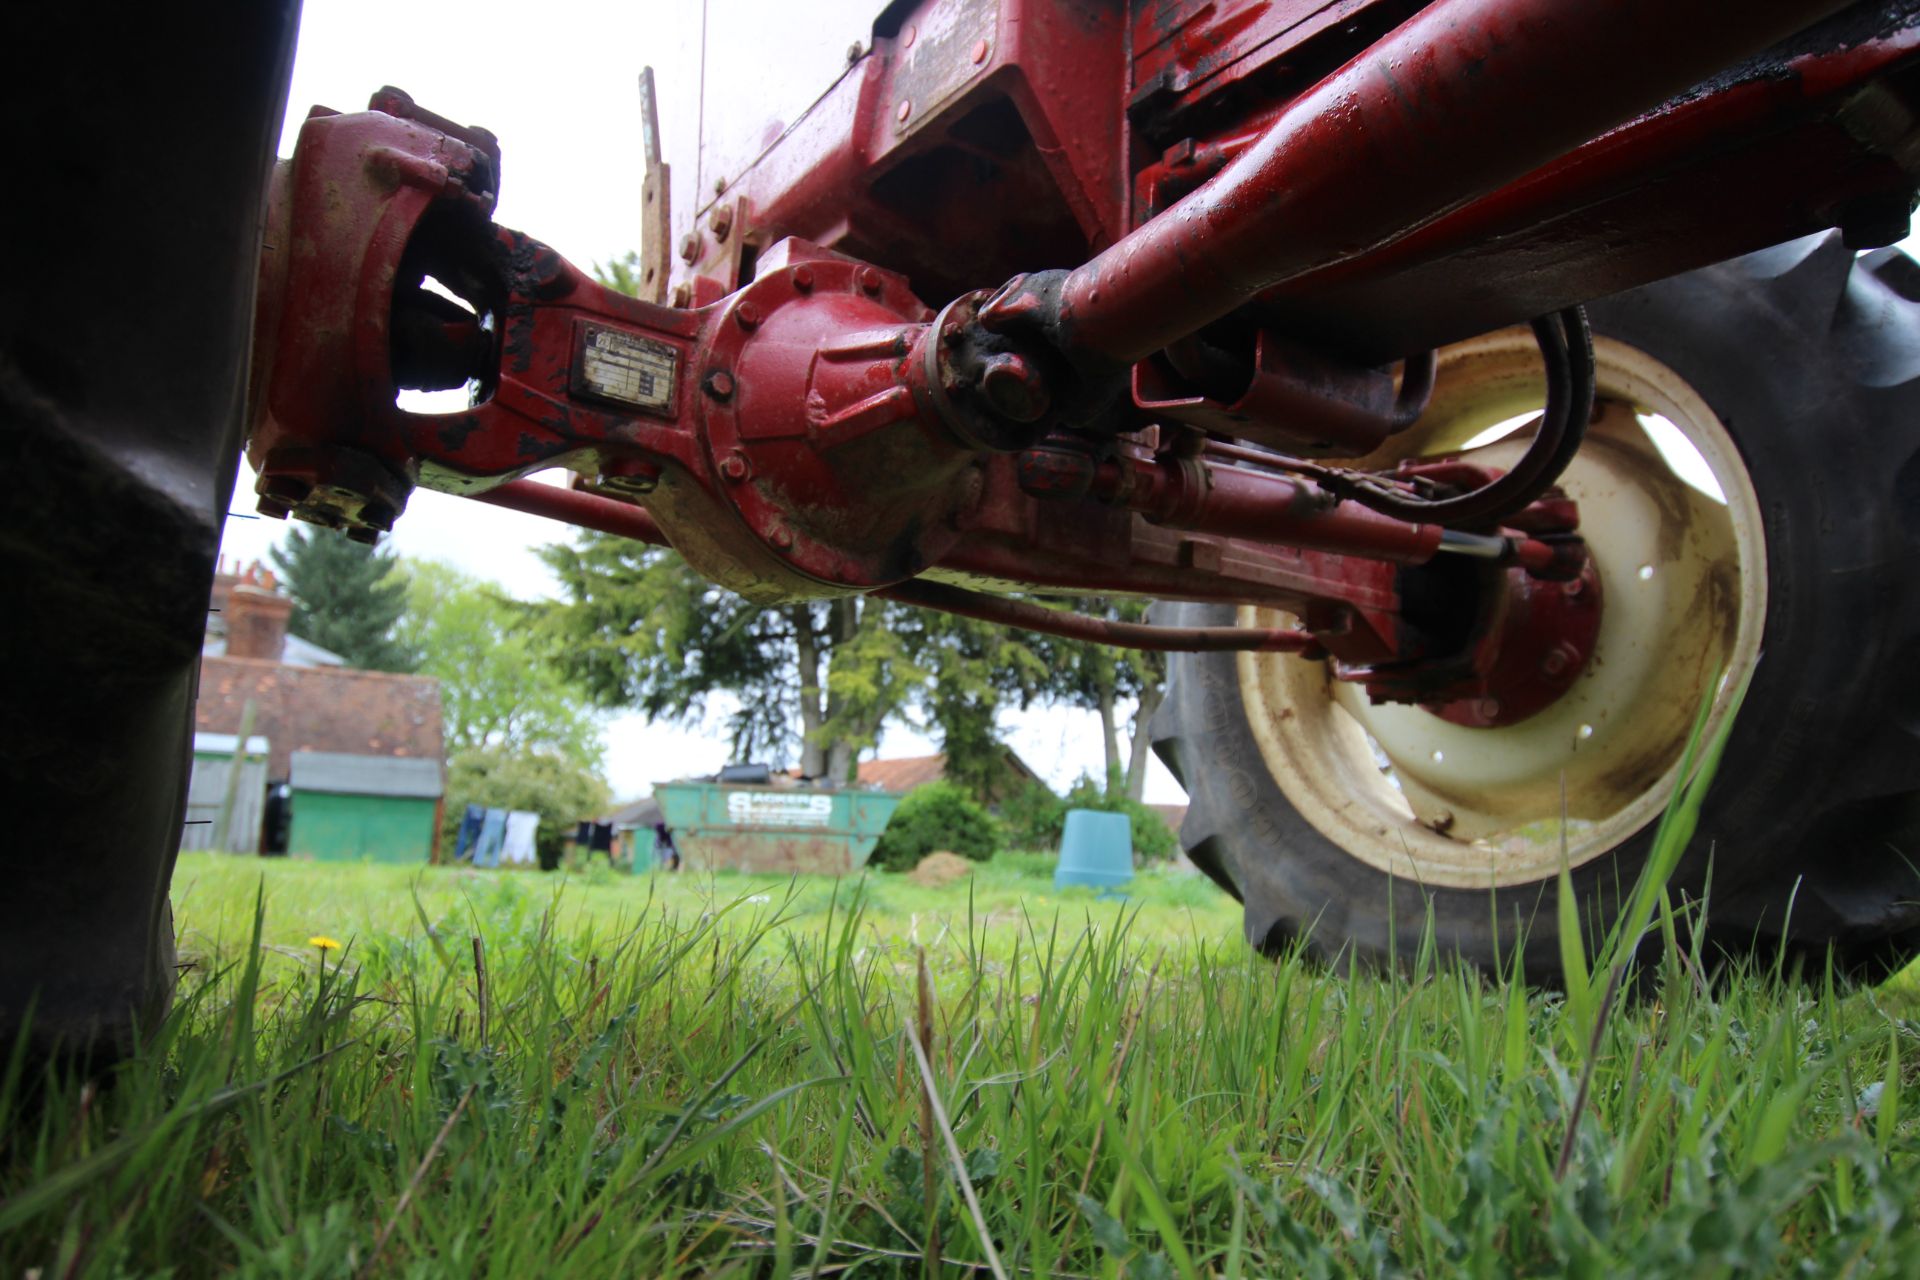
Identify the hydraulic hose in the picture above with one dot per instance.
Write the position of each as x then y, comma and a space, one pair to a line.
1566, 347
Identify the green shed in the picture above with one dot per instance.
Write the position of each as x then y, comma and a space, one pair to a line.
351, 808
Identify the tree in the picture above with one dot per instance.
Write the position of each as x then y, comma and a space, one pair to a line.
1100, 678
973, 670
640, 628
498, 690
815, 678
622, 274
560, 790
345, 597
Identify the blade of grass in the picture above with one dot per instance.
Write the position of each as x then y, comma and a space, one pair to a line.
959, 1161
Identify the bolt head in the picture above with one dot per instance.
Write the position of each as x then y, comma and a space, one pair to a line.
979, 52
747, 316
689, 246
1560, 660
719, 384
1014, 388
803, 277
629, 470
734, 467
782, 539
869, 280
902, 111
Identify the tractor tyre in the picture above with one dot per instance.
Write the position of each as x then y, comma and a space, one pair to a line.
125, 327
1750, 491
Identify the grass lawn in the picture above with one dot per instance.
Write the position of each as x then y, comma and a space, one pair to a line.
736, 1076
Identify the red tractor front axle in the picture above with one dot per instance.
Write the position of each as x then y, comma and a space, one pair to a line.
820, 430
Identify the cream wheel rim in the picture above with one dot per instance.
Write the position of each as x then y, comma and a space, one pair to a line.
1683, 580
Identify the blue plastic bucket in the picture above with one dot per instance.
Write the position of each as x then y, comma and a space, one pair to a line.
1095, 849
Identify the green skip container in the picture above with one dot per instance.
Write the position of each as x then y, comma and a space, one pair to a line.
727, 827
1095, 849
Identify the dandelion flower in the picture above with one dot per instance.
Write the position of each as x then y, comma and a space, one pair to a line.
323, 942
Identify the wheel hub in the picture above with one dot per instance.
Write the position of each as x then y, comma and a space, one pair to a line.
1476, 795
1533, 649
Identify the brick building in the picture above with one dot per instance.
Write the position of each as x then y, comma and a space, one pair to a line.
908, 773
305, 699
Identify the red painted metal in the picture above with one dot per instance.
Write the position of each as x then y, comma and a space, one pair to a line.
1343, 181
577, 507
826, 444
1030, 126
979, 187
1185, 51
1399, 136
1126, 635
1791, 145
1188, 493
810, 434
371, 203
590, 511
1532, 641
1289, 398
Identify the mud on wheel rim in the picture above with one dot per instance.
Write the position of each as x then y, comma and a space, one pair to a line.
1683, 576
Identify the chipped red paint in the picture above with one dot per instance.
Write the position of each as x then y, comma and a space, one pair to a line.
1345, 181
1463, 98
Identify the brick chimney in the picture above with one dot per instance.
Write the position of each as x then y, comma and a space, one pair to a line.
257, 620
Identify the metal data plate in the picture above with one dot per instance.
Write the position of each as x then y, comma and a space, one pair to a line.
941, 59
624, 368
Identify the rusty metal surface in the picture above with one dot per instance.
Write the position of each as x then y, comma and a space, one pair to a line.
1292, 400
571, 506
1022, 120
751, 852
1077, 626
937, 52
1403, 134
608, 515
1781, 150
803, 422
656, 198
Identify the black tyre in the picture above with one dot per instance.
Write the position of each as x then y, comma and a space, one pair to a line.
123, 358
1790, 375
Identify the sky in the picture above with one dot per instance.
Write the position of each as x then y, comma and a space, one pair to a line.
557, 85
